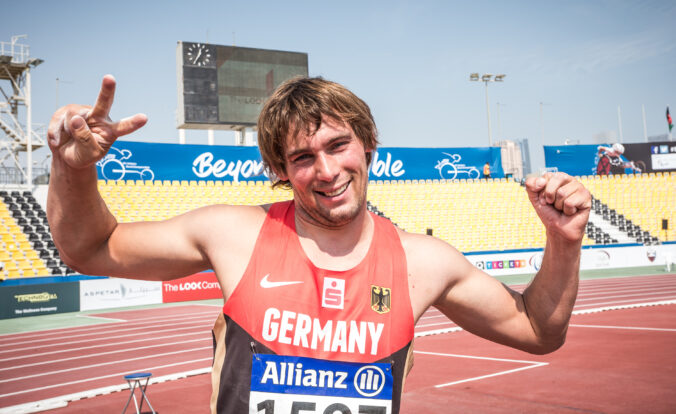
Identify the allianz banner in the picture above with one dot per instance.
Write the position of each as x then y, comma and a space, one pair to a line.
39, 299
612, 159
128, 160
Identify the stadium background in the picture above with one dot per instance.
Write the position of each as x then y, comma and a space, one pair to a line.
630, 241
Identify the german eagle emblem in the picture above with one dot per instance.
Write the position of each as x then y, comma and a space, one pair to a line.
381, 299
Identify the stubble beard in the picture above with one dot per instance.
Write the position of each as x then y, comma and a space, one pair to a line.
334, 218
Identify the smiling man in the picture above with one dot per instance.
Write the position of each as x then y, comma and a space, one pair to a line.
321, 297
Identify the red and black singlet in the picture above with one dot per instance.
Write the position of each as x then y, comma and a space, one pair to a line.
293, 336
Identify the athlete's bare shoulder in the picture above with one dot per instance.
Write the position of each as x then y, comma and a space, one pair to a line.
230, 234
234, 223
433, 267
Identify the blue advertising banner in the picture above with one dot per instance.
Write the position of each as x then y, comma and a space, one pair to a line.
393, 163
572, 159
128, 160
607, 159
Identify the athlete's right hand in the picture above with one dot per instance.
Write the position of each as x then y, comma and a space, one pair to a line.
81, 135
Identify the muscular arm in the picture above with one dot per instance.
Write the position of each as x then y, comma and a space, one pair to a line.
88, 236
535, 321
477, 302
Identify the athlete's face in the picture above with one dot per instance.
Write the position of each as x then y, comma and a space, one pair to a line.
328, 173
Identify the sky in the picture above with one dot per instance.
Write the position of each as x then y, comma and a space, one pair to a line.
569, 65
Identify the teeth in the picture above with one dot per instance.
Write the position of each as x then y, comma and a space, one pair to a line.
338, 191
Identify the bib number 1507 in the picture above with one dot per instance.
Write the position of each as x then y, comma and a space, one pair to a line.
300, 407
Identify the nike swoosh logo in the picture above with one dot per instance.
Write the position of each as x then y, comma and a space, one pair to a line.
267, 284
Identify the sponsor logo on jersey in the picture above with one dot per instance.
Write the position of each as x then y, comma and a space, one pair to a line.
284, 382
333, 293
301, 330
381, 299
268, 284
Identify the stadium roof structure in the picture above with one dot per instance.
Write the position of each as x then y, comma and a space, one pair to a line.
19, 134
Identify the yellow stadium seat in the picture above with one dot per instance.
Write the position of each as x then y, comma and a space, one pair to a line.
29, 272
13, 273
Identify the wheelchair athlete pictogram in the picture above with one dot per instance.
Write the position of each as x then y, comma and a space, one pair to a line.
449, 168
610, 160
114, 167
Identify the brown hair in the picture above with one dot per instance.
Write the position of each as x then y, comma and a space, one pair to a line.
298, 105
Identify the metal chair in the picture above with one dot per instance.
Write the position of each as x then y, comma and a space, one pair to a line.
136, 381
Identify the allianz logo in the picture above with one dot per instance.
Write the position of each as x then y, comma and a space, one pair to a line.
204, 166
368, 381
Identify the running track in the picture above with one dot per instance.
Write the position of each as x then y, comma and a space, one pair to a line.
175, 342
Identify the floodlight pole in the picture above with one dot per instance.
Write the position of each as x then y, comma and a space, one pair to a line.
499, 123
619, 122
645, 126
485, 78
488, 116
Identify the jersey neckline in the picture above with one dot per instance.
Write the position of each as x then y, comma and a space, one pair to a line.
290, 219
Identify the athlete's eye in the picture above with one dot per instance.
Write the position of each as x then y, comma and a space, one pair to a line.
339, 144
301, 158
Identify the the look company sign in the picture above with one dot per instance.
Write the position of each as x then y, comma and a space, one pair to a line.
194, 287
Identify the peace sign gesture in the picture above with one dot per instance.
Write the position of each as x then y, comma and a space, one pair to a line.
82, 135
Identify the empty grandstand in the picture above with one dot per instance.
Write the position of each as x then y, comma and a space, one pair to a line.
627, 209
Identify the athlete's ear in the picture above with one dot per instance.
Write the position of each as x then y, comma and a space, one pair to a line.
369, 156
281, 175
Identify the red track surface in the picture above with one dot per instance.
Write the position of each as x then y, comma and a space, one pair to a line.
619, 361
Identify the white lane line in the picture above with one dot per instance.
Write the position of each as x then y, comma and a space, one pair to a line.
620, 281
165, 315
63, 400
101, 318
531, 364
575, 312
638, 328
109, 344
132, 322
641, 288
441, 315
510, 371
118, 374
147, 333
122, 328
116, 351
626, 306
620, 303
652, 293
601, 289
102, 364
520, 361
447, 322
438, 331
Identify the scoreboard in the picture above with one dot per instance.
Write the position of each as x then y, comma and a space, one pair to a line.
225, 87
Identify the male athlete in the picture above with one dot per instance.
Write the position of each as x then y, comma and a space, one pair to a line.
321, 296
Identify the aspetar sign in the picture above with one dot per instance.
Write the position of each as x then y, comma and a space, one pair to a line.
39, 299
112, 293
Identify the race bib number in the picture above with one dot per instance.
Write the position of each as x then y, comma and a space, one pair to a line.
298, 385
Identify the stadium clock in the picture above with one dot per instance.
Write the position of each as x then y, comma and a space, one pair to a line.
198, 54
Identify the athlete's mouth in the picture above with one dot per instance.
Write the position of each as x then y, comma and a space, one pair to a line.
335, 192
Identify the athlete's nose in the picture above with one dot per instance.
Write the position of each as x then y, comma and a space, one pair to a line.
326, 167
